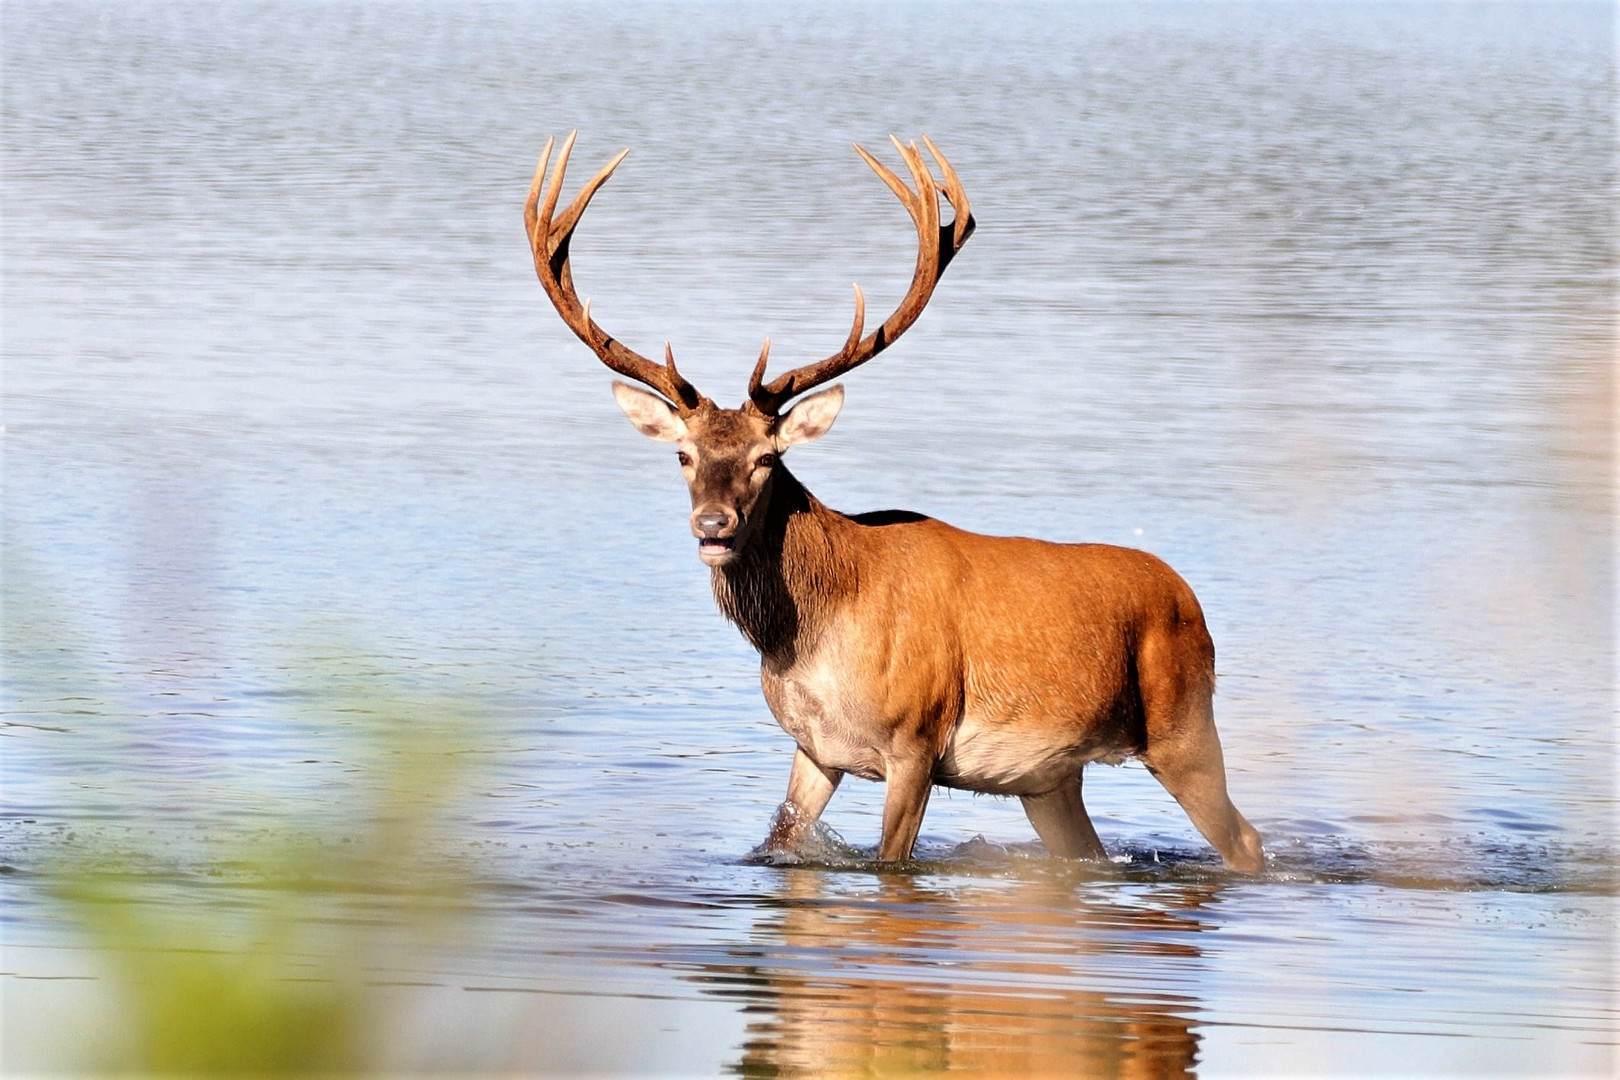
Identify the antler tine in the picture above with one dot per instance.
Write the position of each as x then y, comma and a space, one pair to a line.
554, 188
937, 245
925, 207
860, 320
896, 185
675, 376
549, 240
755, 379
531, 208
962, 227
570, 217
926, 216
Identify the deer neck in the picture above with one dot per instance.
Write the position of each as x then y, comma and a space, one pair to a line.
790, 575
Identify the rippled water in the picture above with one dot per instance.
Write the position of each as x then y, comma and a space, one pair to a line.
1313, 300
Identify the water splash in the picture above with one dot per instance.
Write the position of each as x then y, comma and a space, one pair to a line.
1458, 864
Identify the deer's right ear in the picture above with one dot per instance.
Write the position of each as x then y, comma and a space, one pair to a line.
653, 416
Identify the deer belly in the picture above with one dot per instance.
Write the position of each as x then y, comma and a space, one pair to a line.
1016, 759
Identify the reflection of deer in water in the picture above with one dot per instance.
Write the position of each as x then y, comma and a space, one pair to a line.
916, 981
893, 646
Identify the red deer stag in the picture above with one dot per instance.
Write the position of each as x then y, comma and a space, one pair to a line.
894, 646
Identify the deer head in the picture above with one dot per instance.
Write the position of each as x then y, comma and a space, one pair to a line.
728, 456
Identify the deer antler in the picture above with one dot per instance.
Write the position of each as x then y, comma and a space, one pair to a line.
937, 245
549, 240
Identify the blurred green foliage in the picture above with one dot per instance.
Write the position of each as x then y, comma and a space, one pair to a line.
198, 999
263, 959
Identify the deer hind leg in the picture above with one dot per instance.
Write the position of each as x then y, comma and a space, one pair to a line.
810, 788
1184, 754
1061, 821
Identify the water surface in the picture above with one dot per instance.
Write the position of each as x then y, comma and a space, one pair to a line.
1315, 301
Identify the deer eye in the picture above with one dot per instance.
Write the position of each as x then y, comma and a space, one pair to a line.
684, 458
765, 461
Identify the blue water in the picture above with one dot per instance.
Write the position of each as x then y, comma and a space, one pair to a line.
1313, 300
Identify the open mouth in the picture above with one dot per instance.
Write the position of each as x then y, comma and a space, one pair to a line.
712, 548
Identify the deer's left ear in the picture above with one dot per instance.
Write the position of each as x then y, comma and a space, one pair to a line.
811, 418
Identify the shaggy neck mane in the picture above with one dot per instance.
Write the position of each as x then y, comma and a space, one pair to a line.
790, 574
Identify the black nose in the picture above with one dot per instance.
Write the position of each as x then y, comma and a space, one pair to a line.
710, 524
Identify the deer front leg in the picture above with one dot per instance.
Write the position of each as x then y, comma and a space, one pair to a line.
909, 781
810, 787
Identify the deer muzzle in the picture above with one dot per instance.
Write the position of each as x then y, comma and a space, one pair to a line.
716, 533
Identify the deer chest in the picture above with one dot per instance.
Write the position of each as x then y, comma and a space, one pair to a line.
819, 706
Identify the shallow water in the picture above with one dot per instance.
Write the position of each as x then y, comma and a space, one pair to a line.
1315, 301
